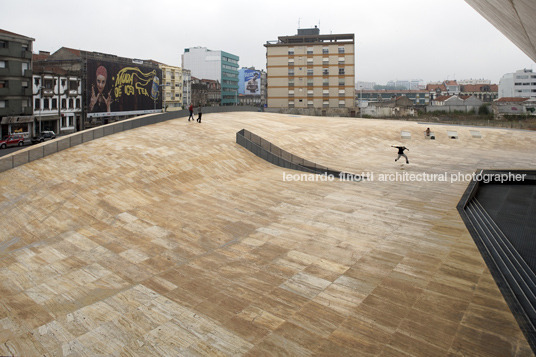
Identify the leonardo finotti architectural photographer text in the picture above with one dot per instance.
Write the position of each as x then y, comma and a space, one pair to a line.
407, 177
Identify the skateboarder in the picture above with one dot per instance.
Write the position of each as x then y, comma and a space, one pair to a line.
401, 152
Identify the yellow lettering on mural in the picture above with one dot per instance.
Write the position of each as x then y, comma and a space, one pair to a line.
131, 81
141, 90
129, 90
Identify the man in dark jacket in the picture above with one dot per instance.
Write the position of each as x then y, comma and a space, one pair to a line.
401, 152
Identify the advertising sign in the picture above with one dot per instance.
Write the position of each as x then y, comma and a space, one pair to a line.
252, 81
122, 89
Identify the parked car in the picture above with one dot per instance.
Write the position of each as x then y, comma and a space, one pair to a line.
12, 140
44, 136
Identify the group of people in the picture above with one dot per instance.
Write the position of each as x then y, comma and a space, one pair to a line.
191, 110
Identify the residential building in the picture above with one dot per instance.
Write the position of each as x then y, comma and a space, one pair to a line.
483, 91
186, 87
127, 87
405, 84
309, 70
514, 106
522, 84
220, 66
418, 97
172, 85
57, 97
364, 85
400, 106
205, 92
15, 82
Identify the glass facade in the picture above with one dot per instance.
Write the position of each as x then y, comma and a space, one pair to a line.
229, 79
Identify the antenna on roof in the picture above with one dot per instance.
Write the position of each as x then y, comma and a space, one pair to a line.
299, 22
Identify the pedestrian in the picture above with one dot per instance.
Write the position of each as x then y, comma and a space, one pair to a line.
427, 132
191, 109
199, 113
401, 152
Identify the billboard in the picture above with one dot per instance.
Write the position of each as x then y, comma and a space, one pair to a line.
249, 82
115, 88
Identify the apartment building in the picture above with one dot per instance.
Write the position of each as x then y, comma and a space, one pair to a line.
172, 87
309, 70
15, 82
522, 84
220, 66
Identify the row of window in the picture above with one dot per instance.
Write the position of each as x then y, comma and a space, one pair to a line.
50, 83
24, 65
5, 44
325, 50
310, 71
525, 84
325, 60
310, 83
310, 104
65, 104
228, 59
310, 92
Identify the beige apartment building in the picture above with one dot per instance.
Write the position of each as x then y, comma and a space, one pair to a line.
171, 87
310, 70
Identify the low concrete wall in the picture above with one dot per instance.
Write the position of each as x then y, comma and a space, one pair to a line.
39, 151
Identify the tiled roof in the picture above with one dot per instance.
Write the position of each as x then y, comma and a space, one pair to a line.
511, 99
15, 34
442, 98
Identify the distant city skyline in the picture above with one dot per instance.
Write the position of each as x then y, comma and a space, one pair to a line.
429, 40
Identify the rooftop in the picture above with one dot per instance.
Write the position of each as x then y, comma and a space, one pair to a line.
188, 244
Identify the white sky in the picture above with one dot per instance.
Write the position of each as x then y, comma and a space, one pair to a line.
432, 40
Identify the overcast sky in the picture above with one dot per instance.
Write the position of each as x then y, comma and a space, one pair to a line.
432, 40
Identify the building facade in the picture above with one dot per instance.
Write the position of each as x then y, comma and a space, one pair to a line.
418, 97
57, 97
220, 66
310, 70
186, 87
251, 86
172, 87
521, 84
15, 82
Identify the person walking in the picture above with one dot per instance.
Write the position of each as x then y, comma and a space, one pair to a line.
191, 109
401, 152
199, 115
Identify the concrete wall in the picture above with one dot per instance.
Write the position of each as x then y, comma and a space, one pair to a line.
39, 151
451, 108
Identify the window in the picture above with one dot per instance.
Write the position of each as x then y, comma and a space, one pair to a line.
63, 82
325, 50
3, 103
291, 82
291, 104
325, 92
48, 83
341, 81
46, 104
325, 71
25, 66
54, 103
73, 85
3, 44
309, 104
341, 49
291, 93
291, 61
291, 72
341, 104
325, 104
37, 104
310, 83
310, 93
3, 84
341, 92
291, 51
309, 60
341, 60
325, 60
24, 84
2, 64
63, 104
37, 81
341, 71
309, 50
325, 81
309, 71
78, 103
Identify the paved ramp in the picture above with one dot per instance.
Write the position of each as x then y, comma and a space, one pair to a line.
171, 239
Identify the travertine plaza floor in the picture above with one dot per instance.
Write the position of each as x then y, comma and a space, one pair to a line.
171, 239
